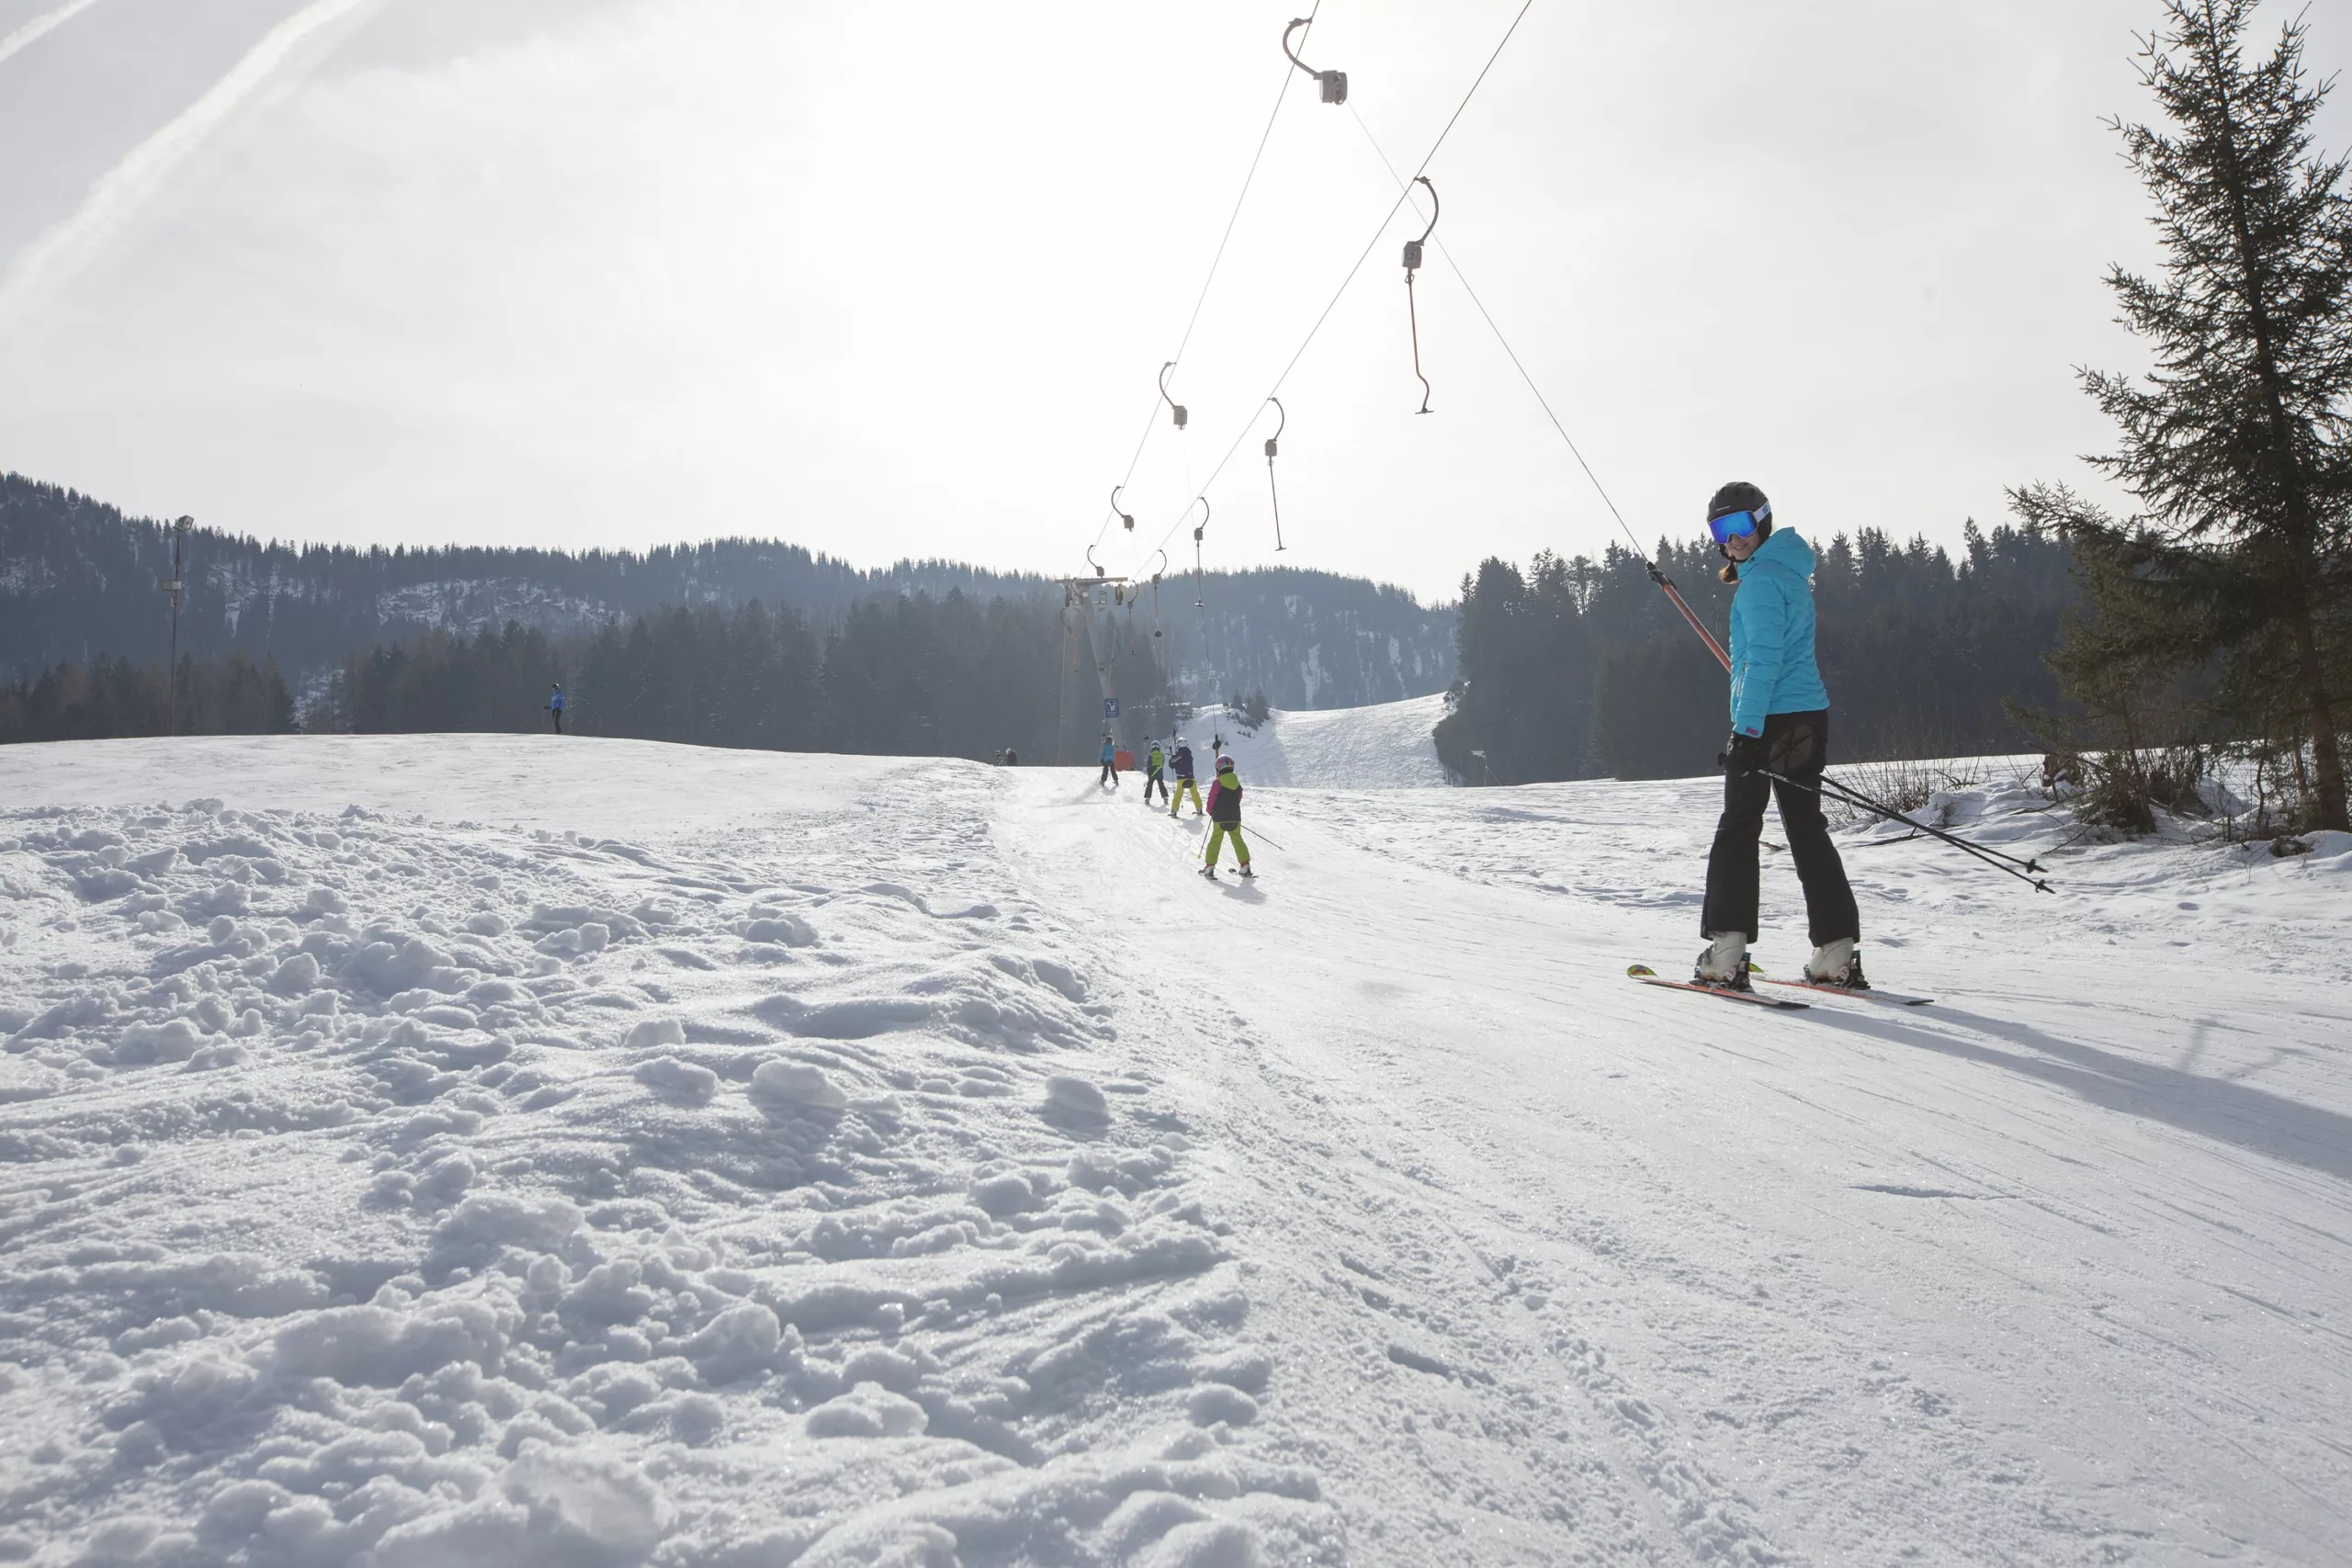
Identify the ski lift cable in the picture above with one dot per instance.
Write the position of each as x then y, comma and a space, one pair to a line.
1388, 218
1215, 262
1656, 575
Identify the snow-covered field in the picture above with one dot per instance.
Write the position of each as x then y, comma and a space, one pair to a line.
473, 1150
1385, 746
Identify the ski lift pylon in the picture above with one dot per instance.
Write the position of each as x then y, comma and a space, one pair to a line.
1272, 444
1412, 264
1333, 83
1177, 408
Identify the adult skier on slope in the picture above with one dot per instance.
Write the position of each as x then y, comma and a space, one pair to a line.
1780, 724
1181, 764
555, 706
1154, 761
1110, 761
1225, 817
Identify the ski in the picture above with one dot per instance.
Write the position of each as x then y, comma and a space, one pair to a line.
1873, 994
1649, 977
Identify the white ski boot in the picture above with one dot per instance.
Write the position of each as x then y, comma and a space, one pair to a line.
1724, 964
1836, 962
1209, 872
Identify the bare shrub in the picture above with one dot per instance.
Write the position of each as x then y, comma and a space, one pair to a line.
2123, 789
1904, 786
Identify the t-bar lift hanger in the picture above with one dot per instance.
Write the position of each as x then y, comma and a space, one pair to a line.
1200, 598
1333, 83
1283, 415
1179, 408
1412, 264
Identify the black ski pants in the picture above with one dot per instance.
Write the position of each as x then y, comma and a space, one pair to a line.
1154, 782
1798, 744
1110, 773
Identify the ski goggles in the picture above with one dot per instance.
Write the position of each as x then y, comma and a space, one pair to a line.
1737, 524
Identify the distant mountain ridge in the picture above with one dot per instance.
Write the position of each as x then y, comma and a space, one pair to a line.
78, 578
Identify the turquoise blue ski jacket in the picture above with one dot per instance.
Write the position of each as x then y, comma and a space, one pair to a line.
1772, 667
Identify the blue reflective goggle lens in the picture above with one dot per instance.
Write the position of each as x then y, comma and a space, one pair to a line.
1731, 526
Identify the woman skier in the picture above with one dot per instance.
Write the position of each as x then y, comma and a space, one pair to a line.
1779, 743
1225, 817
1109, 762
1153, 761
555, 706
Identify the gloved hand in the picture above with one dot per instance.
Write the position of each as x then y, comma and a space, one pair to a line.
1745, 755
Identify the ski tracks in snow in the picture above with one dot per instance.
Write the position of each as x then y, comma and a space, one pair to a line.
1455, 1413
1607, 1274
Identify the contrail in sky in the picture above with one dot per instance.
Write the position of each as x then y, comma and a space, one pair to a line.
148, 168
31, 31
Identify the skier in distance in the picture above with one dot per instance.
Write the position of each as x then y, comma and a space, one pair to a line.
1225, 817
1154, 761
1181, 764
1780, 723
1110, 761
555, 706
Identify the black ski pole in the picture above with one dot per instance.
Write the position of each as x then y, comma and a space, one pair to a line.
2040, 885
1864, 801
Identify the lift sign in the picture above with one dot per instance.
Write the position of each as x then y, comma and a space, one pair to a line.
1110, 707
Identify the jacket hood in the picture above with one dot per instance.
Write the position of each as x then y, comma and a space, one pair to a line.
1782, 548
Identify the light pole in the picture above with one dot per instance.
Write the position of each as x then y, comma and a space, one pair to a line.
179, 533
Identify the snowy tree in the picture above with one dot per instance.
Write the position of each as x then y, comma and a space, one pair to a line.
2238, 445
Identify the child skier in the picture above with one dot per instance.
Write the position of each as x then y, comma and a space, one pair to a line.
1780, 724
1225, 817
1153, 761
1181, 764
555, 706
1110, 761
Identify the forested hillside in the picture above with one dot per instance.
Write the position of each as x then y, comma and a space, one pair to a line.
913, 674
79, 582
1580, 669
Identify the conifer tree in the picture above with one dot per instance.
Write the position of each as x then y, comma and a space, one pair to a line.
2238, 446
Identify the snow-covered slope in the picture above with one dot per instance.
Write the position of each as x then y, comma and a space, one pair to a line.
467, 1150
1385, 746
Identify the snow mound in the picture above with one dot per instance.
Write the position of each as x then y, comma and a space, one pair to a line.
417, 1194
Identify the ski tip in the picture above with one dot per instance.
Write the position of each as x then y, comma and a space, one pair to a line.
1639, 971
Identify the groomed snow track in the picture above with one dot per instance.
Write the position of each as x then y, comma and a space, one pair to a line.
462, 1150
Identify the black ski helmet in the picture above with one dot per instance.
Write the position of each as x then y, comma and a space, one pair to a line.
1741, 496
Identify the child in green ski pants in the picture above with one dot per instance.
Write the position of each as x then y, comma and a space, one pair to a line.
1225, 817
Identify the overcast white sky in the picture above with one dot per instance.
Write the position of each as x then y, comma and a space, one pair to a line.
895, 280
